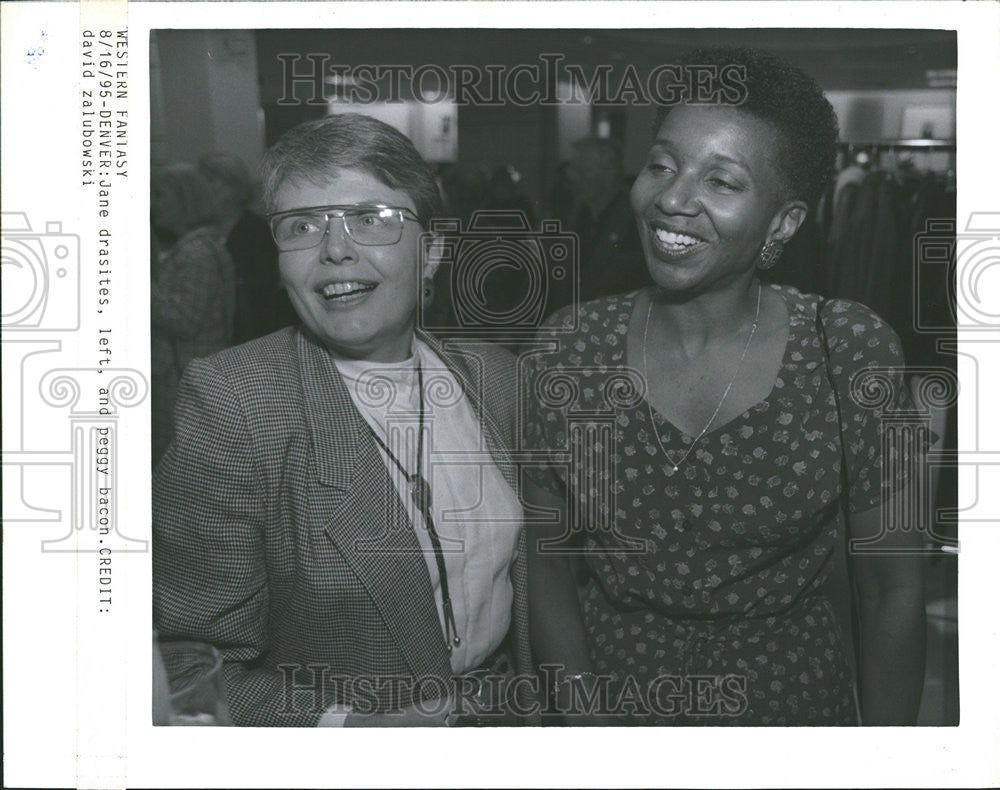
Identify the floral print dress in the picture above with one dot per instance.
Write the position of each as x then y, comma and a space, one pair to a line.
705, 598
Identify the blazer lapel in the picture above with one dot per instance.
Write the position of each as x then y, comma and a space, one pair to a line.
364, 517
330, 414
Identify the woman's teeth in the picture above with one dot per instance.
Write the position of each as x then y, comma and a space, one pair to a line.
678, 240
344, 289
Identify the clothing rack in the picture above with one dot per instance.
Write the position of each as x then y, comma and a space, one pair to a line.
882, 199
875, 148
913, 142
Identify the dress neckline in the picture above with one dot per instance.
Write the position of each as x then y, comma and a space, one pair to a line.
793, 305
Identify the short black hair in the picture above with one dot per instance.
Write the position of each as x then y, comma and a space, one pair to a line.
315, 150
792, 102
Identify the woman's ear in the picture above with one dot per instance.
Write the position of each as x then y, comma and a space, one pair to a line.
787, 221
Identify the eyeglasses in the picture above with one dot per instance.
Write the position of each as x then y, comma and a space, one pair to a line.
370, 226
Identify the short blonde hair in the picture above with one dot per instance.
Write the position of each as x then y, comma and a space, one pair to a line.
316, 150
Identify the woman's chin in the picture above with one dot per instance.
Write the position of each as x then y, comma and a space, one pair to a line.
366, 343
672, 276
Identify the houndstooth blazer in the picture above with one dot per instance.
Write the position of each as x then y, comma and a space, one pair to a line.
273, 534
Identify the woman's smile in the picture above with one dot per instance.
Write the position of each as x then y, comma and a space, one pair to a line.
707, 198
673, 244
344, 293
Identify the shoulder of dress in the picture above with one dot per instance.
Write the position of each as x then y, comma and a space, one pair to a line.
836, 311
859, 318
571, 318
858, 335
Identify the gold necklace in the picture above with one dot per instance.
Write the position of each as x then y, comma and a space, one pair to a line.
649, 406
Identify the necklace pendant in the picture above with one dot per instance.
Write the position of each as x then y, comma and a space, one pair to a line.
420, 490
675, 469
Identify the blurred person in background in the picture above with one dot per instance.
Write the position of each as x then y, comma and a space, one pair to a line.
261, 303
506, 194
561, 205
192, 287
611, 259
464, 191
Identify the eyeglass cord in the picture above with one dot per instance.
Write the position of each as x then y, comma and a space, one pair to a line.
420, 491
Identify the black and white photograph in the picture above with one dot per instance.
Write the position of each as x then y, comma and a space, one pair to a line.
588, 405
556, 385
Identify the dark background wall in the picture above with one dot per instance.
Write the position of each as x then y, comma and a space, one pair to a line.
215, 89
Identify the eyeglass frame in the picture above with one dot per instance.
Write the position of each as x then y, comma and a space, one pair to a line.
343, 211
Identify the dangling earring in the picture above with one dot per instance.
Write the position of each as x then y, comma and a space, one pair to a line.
428, 291
770, 254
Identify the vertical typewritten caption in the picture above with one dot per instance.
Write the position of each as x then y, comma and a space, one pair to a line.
104, 165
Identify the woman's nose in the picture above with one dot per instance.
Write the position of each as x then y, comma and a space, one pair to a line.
678, 196
337, 246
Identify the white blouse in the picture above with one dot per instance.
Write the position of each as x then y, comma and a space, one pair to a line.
476, 513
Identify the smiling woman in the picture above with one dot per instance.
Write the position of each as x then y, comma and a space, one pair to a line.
725, 163
317, 518
710, 504
356, 285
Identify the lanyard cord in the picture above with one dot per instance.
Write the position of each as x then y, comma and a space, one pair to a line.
420, 490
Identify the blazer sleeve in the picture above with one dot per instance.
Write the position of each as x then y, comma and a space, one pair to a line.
209, 565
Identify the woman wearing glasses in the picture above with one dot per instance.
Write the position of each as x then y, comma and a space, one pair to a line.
338, 513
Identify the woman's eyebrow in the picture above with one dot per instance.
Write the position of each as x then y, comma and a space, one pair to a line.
730, 160
665, 145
